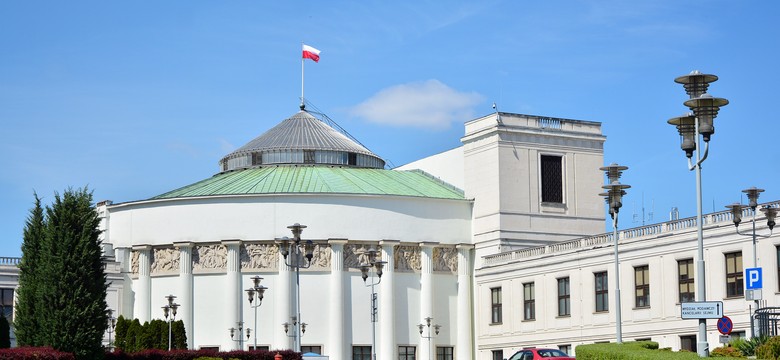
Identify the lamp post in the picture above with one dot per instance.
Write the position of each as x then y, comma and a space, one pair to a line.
259, 290
736, 214
302, 253
296, 326
705, 108
364, 270
427, 325
240, 331
111, 327
614, 199
170, 309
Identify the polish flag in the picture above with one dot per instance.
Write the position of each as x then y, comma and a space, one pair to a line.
311, 53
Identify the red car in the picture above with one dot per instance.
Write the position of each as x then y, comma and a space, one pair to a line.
540, 354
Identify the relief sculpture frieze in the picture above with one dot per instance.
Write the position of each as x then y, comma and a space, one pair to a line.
445, 259
260, 256
209, 257
357, 254
165, 260
408, 258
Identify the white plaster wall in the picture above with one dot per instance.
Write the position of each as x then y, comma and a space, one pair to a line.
447, 166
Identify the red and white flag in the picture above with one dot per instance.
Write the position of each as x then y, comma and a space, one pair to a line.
311, 53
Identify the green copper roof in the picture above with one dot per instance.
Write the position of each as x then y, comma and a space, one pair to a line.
318, 180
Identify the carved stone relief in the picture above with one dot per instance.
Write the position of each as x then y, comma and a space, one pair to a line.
260, 256
134, 256
408, 258
321, 258
165, 260
207, 257
445, 259
357, 254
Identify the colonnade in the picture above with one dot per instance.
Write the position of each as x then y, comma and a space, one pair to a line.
337, 345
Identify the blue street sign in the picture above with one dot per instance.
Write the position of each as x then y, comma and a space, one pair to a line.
725, 325
753, 278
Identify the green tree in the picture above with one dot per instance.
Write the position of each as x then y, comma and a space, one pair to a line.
120, 333
179, 335
28, 295
67, 284
131, 340
5, 333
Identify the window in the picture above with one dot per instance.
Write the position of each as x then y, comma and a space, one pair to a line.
444, 353
642, 286
564, 297
361, 353
565, 348
685, 280
308, 156
529, 302
497, 354
738, 335
213, 348
7, 303
552, 179
406, 352
734, 286
311, 349
688, 342
777, 252
602, 291
495, 305
352, 159
260, 347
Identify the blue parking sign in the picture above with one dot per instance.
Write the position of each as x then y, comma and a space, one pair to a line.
753, 278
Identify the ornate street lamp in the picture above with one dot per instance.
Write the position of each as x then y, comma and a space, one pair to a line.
257, 290
614, 199
427, 325
365, 268
111, 327
240, 331
297, 254
705, 108
170, 310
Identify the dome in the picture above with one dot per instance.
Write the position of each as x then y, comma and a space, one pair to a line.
301, 139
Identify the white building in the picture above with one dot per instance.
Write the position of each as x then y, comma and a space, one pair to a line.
517, 204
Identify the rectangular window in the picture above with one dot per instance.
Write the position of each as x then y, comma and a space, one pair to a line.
308, 156
552, 179
642, 286
688, 342
734, 277
495, 305
7, 303
311, 349
529, 302
445, 353
406, 352
685, 280
564, 297
602, 291
361, 353
777, 252
352, 159
498, 354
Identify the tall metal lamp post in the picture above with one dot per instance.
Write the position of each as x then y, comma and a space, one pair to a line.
693, 128
614, 198
295, 325
427, 325
258, 290
736, 214
300, 255
372, 263
170, 310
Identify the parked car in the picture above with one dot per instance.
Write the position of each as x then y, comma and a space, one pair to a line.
540, 354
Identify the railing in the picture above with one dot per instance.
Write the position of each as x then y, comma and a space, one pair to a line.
8, 261
606, 238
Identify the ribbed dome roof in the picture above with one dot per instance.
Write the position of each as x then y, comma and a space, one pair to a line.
287, 142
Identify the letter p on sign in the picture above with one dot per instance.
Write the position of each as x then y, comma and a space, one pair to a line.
753, 276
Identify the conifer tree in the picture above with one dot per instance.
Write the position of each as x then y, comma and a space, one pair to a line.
5, 333
67, 285
28, 295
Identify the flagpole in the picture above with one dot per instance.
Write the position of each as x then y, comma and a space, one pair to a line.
302, 62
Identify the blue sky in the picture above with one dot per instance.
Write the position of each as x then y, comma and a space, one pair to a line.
137, 98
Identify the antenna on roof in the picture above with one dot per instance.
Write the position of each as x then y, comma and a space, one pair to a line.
649, 216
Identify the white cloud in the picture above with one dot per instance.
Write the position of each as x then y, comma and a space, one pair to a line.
426, 104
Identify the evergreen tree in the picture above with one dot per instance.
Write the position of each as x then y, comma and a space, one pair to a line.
120, 332
179, 335
5, 333
68, 310
131, 340
28, 295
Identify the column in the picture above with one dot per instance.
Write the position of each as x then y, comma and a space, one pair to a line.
465, 339
126, 306
337, 303
233, 288
143, 292
186, 297
386, 337
282, 306
426, 298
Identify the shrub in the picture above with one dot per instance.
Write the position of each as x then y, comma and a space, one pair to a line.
770, 349
727, 351
37, 353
